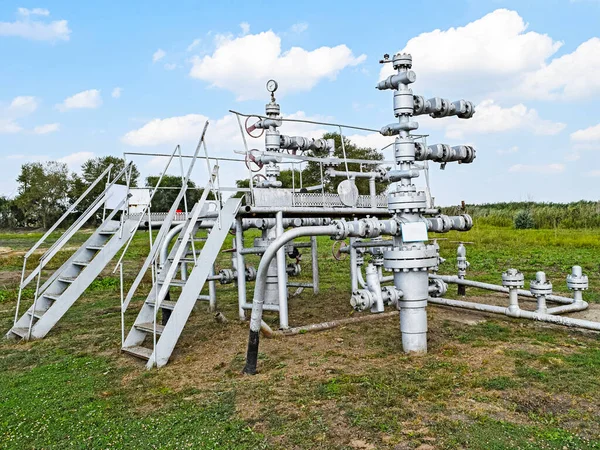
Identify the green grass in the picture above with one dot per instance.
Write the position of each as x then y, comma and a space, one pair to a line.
496, 384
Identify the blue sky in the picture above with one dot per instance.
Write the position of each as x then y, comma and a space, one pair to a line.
95, 78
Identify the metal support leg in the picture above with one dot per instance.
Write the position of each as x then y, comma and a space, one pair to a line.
315, 264
241, 268
212, 291
353, 268
281, 276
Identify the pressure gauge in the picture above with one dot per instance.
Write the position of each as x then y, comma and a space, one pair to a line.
272, 86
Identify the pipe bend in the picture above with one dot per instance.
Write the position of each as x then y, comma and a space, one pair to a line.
261, 278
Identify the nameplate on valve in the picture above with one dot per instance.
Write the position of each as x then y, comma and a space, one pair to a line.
414, 232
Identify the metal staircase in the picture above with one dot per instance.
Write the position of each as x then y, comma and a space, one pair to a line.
66, 284
152, 341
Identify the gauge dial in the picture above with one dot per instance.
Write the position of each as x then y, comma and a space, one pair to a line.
272, 85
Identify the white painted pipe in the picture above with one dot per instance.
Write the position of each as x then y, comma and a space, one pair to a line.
281, 276
261, 278
519, 313
492, 287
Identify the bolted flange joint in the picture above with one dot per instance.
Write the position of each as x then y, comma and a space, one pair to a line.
540, 286
576, 280
512, 278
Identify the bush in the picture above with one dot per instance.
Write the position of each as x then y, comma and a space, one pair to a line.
524, 220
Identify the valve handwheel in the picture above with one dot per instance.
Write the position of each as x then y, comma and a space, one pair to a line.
336, 250
251, 128
257, 177
251, 159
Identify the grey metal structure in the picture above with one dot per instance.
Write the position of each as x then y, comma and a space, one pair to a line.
182, 262
56, 295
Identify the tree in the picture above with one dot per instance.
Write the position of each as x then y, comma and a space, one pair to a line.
10, 214
524, 220
44, 192
311, 174
164, 198
93, 168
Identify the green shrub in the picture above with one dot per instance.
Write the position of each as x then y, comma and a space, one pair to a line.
524, 220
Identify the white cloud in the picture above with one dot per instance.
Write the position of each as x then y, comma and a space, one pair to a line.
538, 168
299, 27
47, 128
492, 118
18, 107
172, 130
508, 151
571, 76
245, 26
37, 30
593, 173
170, 66
89, 99
9, 126
116, 92
243, 65
590, 134
33, 12
485, 51
22, 105
194, 44
75, 160
158, 55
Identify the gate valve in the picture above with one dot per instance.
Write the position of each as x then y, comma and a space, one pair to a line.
337, 252
251, 159
252, 128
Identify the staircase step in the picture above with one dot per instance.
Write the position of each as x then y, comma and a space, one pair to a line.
188, 260
38, 313
148, 327
21, 332
66, 279
52, 297
165, 304
94, 247
177, 283
107, 232
138, 351
81, 263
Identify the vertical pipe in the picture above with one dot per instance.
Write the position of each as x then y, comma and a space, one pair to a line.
353, 268
373, 192
281, 275
241, 268
212, 291
315, 264
513, 299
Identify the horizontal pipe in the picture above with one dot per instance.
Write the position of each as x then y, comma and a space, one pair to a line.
253, 250
340, 211
265, 307
573, 307
299, 284
519, 313
493, 287
334, 323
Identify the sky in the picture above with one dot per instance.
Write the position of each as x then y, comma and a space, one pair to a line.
86, 79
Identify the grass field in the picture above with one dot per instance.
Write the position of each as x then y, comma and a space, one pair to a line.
486, 383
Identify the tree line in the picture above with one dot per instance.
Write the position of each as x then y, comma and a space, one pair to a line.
45, 190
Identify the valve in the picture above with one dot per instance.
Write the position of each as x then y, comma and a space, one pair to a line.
540, 288
362, 299
251, 159
250, 129
337, 252
250, 273
227, 276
